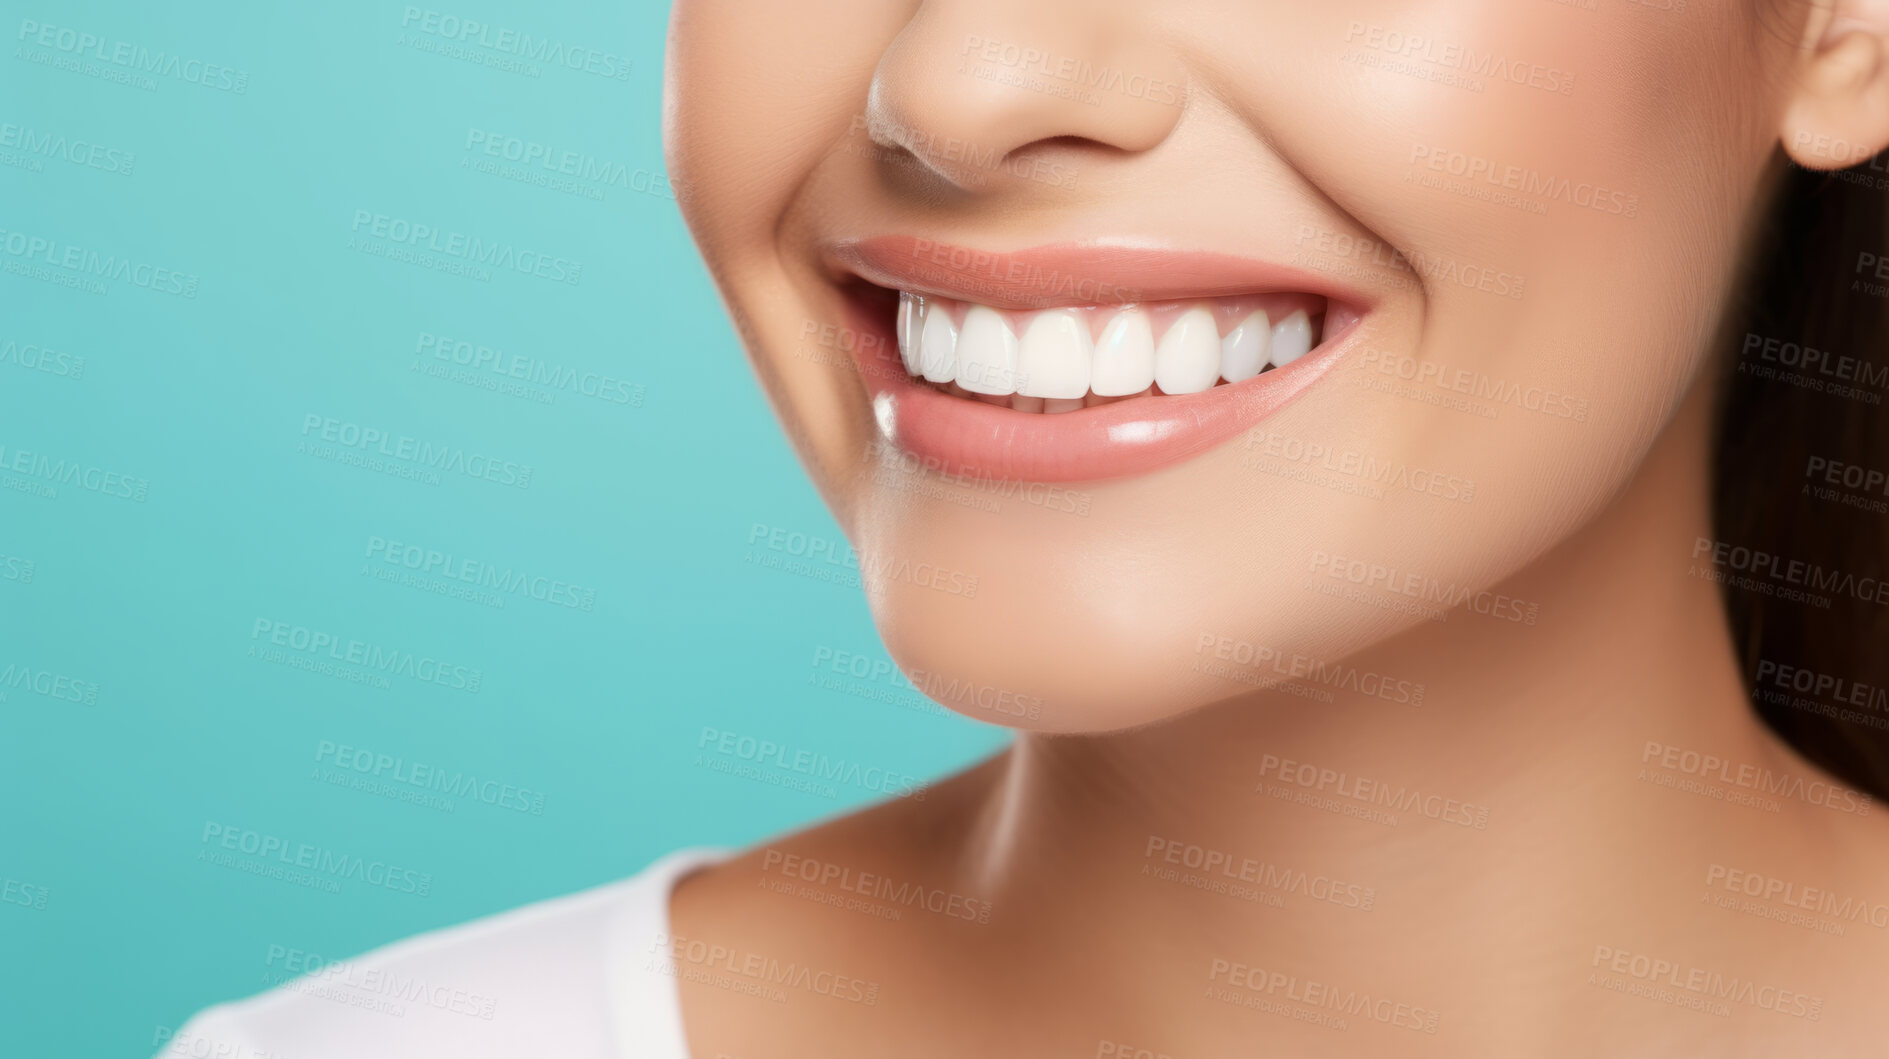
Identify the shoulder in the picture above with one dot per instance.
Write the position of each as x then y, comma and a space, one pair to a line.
571, 977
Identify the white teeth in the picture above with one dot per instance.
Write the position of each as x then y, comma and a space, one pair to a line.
1124, 357
911, 314
1188, 358
1244, 350
938, 345
987, 353
1292, 339
1047, 362
1054, 355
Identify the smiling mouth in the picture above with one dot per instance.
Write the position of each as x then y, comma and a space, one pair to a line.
1050, 361
1081, 362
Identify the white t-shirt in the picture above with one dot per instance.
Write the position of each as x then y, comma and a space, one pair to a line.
586, 976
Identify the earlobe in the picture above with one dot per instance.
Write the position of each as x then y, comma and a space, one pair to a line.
1838, 113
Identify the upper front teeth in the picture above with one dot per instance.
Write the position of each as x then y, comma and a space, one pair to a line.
937, 345
1188, 358
1124, 358
1248, 347
1061, 358
1056, 356
987, 353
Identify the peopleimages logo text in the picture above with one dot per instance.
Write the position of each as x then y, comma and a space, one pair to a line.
311, 858
426, 776
473, 33
76, 151
471, 248
48, 251
424, 668
129, 56
506, 579
351, 435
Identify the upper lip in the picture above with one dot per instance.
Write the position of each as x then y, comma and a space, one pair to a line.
1072, 274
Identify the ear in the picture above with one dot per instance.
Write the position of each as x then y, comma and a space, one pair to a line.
1838, 111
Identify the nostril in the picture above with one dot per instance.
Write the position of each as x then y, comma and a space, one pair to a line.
1069, 145
1068, 141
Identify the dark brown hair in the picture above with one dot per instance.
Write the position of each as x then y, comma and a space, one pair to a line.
1806, 390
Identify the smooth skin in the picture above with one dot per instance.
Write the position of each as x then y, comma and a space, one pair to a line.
795, 125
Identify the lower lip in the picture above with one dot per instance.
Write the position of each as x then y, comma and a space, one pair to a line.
1122, 439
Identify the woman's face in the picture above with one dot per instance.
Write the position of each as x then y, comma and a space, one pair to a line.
1504, 227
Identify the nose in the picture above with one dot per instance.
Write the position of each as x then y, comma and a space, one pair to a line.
970, 85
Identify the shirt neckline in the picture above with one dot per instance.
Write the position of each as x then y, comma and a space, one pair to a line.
645, 1001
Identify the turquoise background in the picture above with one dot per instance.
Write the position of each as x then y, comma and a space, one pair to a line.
119, 918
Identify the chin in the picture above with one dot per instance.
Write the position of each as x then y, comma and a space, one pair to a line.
1061, 649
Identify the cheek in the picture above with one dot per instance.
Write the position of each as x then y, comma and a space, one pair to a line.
1565, 189
755, 97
